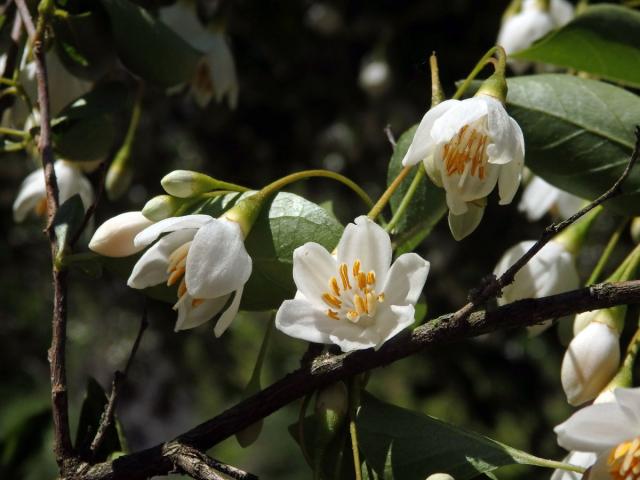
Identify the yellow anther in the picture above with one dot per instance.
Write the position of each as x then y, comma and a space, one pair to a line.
178, 254
333, 315
353, 316
371, 277
624, 461
356, 268
196, 302
182, 288
381, 298
344, 276
175, 275
360, 304
331, 300
333, 286
362, 280
41, 207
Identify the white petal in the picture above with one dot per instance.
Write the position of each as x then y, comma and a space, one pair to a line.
229, 314
72, 181
509, 180
579, 459
465, 112
629, 401
151, 268
366, 241
389, 322
524, 28
561, 12
590, 362
405, 280
423, 144
114, 238
149, 235
507, 139
538, 198
223, 70
600, 469
192, 317
457, 206
217, 262
568, 204
469, 187
31, 192
300, 319
313, 266
465, 224
182, 18
595, 428
349, 336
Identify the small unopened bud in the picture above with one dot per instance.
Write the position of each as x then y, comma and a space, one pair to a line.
590, 362
635, 229
118, 180
249, 435
332, 403
186, 183
440, 476
161, 207
114, 238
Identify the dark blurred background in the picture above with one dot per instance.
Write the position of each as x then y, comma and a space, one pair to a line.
301, 106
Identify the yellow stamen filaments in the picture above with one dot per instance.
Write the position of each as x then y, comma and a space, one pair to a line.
176, 269
624, 461
357, 298
41, 207
466, 152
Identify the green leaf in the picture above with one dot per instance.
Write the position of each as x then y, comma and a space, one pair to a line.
427, 206
86, 129
579, 134
84, 44
93, 406
285, 223
68, 220
604, 40
148, 47
404, 445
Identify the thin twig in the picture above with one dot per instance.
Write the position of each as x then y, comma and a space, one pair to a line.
200, 466
118, 381
327, 370
494, 286
25, 14
390, 136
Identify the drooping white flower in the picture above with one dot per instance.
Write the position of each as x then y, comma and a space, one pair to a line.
114, 238
590, 362
216, 72
468, 147
355, 299
552, 270
32, 195
611, 431
206, 257
519, 31
540, 197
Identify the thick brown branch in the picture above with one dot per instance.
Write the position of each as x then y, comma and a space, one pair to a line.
200, 466
329, 369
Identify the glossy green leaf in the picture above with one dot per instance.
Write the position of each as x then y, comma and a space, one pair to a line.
579, 134
285, 223
84, 44
148, 47
93, 406
604, 41
68, 220
427, 207
86, 130
404, 445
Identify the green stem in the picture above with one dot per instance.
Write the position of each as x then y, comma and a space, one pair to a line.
528, 459
474, 73
8, 81
254, 383
294, 177
606, 253
624, 377
406, 200
386, 196
354, 402
14, 132
232, 187
12, 147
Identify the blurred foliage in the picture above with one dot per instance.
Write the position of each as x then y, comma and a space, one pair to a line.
300, 107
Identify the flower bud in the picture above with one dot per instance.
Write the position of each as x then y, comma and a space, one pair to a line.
440, 476
590, 362
331, 406
635, 229
249, 435
114, 238
161, 207
186, 183
118, 180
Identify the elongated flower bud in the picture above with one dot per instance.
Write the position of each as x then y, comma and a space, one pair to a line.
186, 183
114, 238
331, 406
161, 207
590, 362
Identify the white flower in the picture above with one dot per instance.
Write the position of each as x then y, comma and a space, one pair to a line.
590, 362
552, 270
356, 299
579, 459
114, 238
519, 31
33, 197
469, 146
206, 257
440, 476
611, 431
216, 71
540, 197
